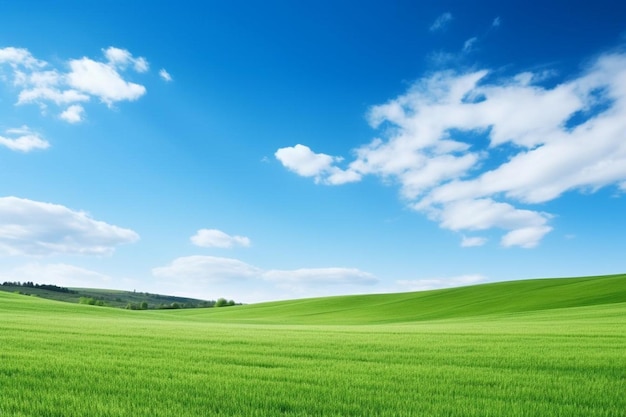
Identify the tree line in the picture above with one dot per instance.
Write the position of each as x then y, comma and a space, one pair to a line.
221, 302
30, 284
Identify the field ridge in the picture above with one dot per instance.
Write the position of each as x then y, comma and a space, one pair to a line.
477, 300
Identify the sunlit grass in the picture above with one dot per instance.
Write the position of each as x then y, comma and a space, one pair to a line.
74, 360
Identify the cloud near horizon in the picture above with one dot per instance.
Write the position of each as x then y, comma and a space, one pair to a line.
39, 83
212, 272
437, 283
211, 277
475, 152
61, 274
33, 228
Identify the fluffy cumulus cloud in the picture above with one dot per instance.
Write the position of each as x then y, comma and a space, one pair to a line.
73, 114
303, 161
39, 83
23, 139
474, 151
35, 228
210, 274
213, 238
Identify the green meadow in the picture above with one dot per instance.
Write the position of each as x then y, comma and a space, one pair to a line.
554, 347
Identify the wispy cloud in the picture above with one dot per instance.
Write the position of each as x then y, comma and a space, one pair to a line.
224, 275
562, 138
319, 276
469, 44
436, 283
213, 238
23, 139
473, 241
35, 228
496, 22
441, 23
165, 76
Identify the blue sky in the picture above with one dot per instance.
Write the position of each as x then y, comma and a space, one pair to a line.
272, 150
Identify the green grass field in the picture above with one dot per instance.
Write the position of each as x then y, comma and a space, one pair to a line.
527, 348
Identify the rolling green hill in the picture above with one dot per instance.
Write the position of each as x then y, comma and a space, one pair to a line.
501, 298
478, 300
551, 348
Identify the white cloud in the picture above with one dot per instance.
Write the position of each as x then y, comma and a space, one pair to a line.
303, 161
44, 94
102, 81
484, 213
436, 283
61, 274
207, 270
19, 57
496, 22
165, 76
320, 276
213, 238
534, 144
473, 241
121, 58
442, 22
210, 276
73, 114
40, 84
526, 237
30, 227
23, 140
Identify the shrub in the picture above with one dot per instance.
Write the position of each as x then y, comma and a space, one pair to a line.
222, 302
87, 300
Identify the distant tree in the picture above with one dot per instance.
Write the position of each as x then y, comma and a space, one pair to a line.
175, 305
143, 305
222, 302
87, 300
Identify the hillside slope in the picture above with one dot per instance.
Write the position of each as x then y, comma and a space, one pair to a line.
110, 298
478, 300
486, 300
